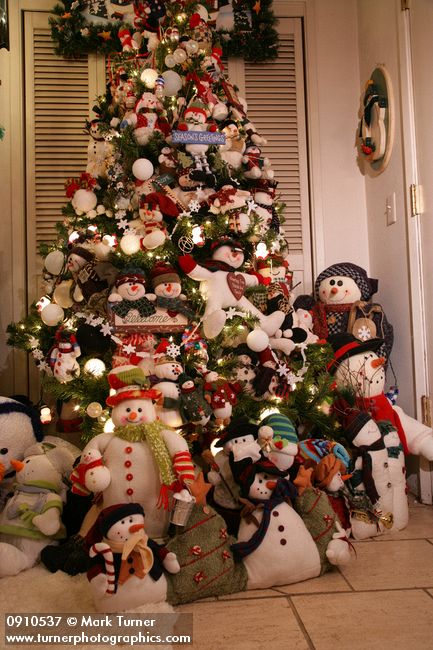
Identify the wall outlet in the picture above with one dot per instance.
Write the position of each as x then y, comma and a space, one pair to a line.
390, 209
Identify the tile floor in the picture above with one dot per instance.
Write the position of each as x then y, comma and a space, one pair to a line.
382, 600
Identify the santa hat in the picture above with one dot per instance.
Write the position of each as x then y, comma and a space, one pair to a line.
226, 241
346, 345
285, 436
130, 275
161, 354
164, 203
367, 286
270, 261
326, 469
130, 382
80, 251
238, 427
163, 273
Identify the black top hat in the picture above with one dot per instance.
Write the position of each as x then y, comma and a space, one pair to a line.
238, 427
346, 345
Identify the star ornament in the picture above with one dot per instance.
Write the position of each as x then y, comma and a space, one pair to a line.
106, 36
257, 7
199, 489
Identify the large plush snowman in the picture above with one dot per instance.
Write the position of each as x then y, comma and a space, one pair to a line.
31, 517
274, 544
127, 567
147, 460
379, 469
223, 286
357, 366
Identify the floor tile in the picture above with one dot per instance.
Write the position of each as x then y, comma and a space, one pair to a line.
252, 624
404, 564
330, 582
375, 621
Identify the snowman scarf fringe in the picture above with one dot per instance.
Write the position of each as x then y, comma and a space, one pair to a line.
284, 491
151, 433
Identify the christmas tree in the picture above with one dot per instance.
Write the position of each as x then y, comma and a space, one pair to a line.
170, 254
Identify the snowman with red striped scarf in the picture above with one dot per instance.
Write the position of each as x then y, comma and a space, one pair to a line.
147, 460
126, 568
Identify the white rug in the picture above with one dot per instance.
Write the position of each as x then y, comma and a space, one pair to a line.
39, 591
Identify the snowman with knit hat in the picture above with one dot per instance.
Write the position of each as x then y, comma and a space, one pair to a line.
147, 460
167, 286
279, 440
223, 286
128, 300
358, 367
126, 569
343, 303
195, 119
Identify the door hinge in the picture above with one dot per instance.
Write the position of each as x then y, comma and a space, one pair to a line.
405, 5
415, 200
426, 410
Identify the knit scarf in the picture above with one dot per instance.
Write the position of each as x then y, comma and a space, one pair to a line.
367, 467
136, 544
176, 305
217, 265
143, 306
320, 318
380, 408
151, 433
284, 492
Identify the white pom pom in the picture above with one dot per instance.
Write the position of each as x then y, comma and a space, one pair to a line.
173, 83
84, 200
130, 244
142, 169
54, 262
257, 340
52, 314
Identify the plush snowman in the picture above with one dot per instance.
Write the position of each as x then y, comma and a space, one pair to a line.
343, 294
149, 226
222, 396
329, 475
358, 366
255, 165
147, 460
193, 405
90, 473
98, 151
275, 545
148, 118
31, 518
224, 287
232, 151
264, 196
195, 119
126, 570
93, 279
63, 357
167, 372
279, 440
167, 286
379, 467
128, 298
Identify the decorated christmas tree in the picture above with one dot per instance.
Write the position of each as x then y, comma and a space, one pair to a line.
170, 255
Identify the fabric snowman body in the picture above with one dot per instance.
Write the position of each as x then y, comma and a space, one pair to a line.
98, 151
343, 292
168, 291
145, 457
31, 518
194, 407
276, 548
147, 118
358, 367
127, 567
195, 119
279, 440
167, 372
63, 357
223, 287
254, 164
233, 150
128, 298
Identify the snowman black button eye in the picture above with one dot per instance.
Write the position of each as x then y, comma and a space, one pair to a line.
4, 450
139, 410
340, 283
27, 461
332, 282
128, 410
260, 480
123, 521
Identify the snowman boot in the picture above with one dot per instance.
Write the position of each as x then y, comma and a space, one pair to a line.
213, 323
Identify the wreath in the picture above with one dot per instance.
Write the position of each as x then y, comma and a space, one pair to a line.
244, 28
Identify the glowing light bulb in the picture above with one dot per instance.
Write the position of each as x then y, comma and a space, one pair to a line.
95, 367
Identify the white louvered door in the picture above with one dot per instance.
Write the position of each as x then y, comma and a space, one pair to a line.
59, 94
275, 95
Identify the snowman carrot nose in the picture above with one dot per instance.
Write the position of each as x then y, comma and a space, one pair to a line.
135, 528
377, 363
17, 465
132, 415
271, 485
334, 290
346, 477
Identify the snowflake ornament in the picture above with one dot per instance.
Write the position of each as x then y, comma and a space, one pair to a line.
283, 370
363, 333
106, 329
129, 349
194, 206
173, 350
123, 224
38, 354
33, 342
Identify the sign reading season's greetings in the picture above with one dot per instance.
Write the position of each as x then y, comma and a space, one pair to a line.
198, 137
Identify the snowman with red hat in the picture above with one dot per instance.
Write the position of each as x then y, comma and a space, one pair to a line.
147, 460
223, 286
358, 367
195, 119
128, 300
126, 569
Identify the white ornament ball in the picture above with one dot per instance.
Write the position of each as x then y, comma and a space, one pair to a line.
52, 314
170, 61
130, 244
173, 83
62, 294
179, 55
149, 76
94, 410
142, 169
191, 47
257, 340
95, 367
84, 200
54, 262
92, 214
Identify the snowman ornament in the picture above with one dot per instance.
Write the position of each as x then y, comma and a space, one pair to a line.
128, 299
358, 366
146, 459
195, 119
126, 569
63, 357
223, 286
167, 371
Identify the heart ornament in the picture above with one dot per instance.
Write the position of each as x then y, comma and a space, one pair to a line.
237, 284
